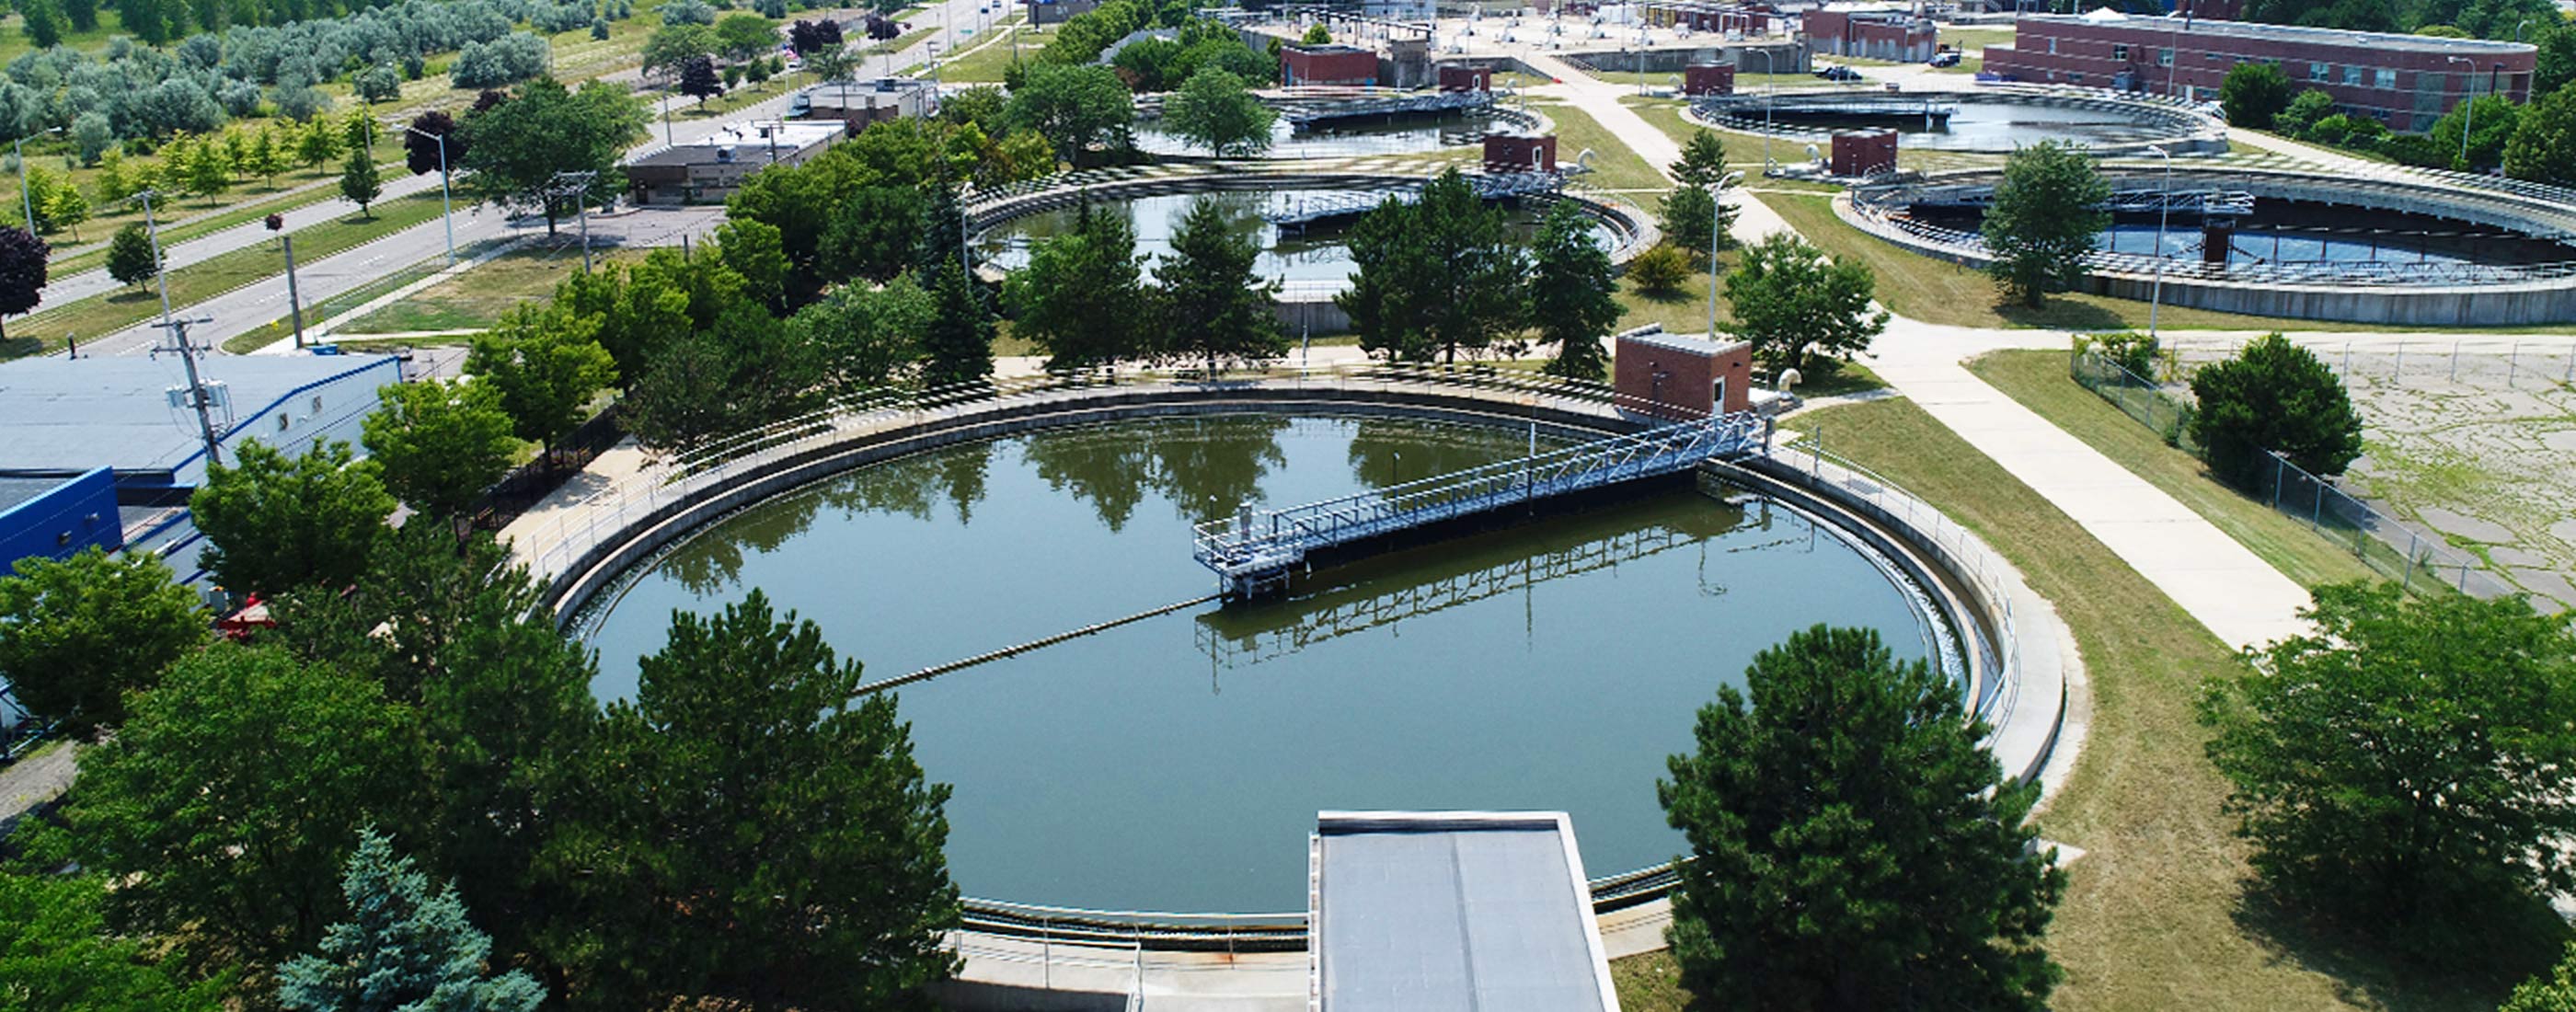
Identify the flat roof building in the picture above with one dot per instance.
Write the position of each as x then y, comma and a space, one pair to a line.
2404, 81
709, 170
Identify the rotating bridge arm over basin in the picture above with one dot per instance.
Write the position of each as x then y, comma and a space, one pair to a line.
1255, 552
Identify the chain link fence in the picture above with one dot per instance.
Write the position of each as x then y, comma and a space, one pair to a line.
2485, 363
2388, 546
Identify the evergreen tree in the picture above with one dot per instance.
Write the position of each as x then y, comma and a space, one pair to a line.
44, 22
1214, 306
1853, 845
1570, 293
1081, 298
2273, 395
959, 345
405, 948
358, 180
2043, 221
1696, 211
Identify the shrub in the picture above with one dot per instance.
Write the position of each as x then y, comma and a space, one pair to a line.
1660, 270
2128, 349
2275, 396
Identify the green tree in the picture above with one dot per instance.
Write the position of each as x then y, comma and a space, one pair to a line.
2543, 149
59, 955
752, 832
77, 634
515, 149
2253, 93
1852, 844
1690, 218
2409, 759
1433, 275
2555, 65
278, 523
2044, 218
672, 47
406, 948
745, 36
868, 337
2303, 112
223, 805
358, 180
441, 443
44, 22
1661, 269
1213, 307
546, 364
317, 142
1801, 310
2497, 119
1572, 293
755, 251
2553, 992
874, 233
1696, 211
66, 208
2277, 396
130, 259
958, 347
1074, 107
1081, 298
1217, 111
268, 157
1317, 35
742, 372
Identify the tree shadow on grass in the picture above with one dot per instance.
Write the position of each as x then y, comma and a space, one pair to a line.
20, 347
2060, 314
2384, 961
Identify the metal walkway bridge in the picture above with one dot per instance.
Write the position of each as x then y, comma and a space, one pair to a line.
1299, 212
1303, 114
1256, 552
2208, 203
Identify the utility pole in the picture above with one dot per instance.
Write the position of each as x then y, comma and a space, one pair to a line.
160, 273
577, 184
199, 397
294, 303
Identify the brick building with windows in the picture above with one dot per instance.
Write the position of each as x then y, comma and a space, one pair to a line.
1895, 36
2404, 81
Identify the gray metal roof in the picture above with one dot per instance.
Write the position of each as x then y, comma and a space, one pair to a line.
1442, 911
2289, 33
113, 411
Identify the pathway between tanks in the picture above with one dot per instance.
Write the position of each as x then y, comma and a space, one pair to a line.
2230, 590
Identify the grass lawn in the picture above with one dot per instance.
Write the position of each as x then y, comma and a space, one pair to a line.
2157, 915
747, 94
986, 65
1743, 150
258, 263
1936, 291
477, 298
1614, 165
2038, 380
1684, 310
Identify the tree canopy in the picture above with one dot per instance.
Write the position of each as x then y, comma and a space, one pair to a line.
406, 947
2273, 395
1570, 293
1213, 307
515, 149
2413, 759
277, 523
1081, 298
1852, 844
2543, 148
60, 955
1216, 110
2043, 221
440, 443
1801, 310
2254, 93
1075, 107
22, 270
1433, 275
78, 634
546, 365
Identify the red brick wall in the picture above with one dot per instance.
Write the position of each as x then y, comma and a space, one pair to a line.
1710, 80
1305, 67
1840, 33
1511, 152
1664, 382
1859, 153
2422, 83
1466, 79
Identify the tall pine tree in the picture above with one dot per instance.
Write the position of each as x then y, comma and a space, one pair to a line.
1570, 285
959, 345
1215, 306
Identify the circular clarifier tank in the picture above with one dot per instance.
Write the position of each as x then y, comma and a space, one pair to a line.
1176, 763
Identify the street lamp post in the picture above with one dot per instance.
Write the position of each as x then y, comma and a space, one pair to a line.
24, 194
2164, 214
446, 203
1768, 72
1716, 235
2468, 106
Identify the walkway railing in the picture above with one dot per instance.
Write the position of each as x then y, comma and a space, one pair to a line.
1258, 548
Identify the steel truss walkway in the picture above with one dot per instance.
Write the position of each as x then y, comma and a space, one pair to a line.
1256, 552
2205, 202
1304, 211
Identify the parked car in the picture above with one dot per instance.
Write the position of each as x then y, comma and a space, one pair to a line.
1838, 72
1948, 58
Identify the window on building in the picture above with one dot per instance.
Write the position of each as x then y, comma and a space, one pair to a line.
2352, 75
2052, 46
2164, 57
2320, 71
2120, 52
2387, 78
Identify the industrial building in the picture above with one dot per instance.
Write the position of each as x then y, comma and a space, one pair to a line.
1896, 36
2404, 81
709, 170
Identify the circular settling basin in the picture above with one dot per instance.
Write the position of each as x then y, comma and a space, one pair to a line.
2294, 233
1176, 763
1991, 127
1342, 139
1313, 254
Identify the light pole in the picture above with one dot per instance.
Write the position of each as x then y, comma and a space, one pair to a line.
2468, 106
447, 205
2173, 52
20, 147
1768, 72
2164, 213
1716, 235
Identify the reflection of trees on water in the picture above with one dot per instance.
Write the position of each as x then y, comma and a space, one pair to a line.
711, 562
1427, 450
1206, 467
